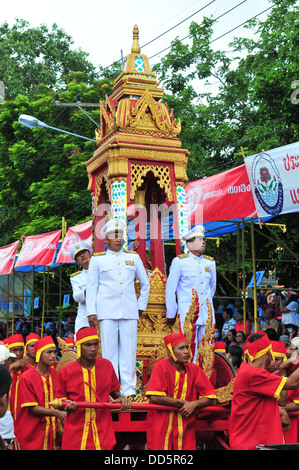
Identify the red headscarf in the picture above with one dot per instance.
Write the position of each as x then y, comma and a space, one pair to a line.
172, 340
83, 335
42, 344
14, 341
258, 348
279, 349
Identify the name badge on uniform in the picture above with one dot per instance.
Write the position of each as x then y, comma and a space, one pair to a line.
129, 263
208, 269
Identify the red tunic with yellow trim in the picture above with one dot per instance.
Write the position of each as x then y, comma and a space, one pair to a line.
292, 435
255, 418
169, 430
14, 389
88, 428
36, 432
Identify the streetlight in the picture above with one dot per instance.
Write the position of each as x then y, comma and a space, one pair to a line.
29, 121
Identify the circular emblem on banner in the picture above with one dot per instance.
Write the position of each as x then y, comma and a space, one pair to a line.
27, 248
65, 248
193, 198
267, 184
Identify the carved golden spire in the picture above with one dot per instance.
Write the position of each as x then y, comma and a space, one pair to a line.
136, 76
135, 47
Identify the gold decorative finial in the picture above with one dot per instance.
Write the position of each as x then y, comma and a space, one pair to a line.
135, 46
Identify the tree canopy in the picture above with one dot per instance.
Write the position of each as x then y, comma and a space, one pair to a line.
33, 56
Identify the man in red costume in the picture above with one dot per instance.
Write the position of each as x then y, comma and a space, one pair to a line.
29, 349
15, 344
255, 416
36, 423
176, 382
89, 379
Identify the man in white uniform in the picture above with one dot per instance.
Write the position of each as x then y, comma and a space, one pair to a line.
192, 270
111, 299
81, 253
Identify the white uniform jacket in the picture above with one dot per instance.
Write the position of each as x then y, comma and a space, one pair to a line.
78, 283
189, 272
110, 290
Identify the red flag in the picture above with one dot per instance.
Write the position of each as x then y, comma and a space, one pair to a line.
224, 196
78, 233
39, 249
7, 257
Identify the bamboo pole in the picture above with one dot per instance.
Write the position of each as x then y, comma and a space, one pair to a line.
13, 296
254, 274
281, 242
44, 301
32, 305
243, 266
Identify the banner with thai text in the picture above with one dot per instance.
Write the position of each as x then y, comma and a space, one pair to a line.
78, 233
274, 178
39, 249
224, 196
7, 257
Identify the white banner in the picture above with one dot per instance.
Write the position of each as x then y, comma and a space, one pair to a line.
274, 179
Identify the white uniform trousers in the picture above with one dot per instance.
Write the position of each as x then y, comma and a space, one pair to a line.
200, 331
119, 346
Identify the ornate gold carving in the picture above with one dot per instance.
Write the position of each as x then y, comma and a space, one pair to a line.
135, 47
99, 180
149, 113
205, 355
67, 358
180, 172
136, 152
189, 322
151, 325
117, 167
139, 172
136, 74
224, 394
107, 120
158, 142
140, 198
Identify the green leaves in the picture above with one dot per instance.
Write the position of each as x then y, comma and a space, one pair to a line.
32, 56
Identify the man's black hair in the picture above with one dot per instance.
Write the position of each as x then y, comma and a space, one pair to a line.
254, 337
5, 381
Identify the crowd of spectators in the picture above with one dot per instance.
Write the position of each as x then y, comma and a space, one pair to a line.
277, 314
50, 327
277, 311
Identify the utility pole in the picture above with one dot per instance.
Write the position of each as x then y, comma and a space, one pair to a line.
2, 92
79, 105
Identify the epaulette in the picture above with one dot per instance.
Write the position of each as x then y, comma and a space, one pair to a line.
75, 274
184, 255
100, 253
208, 257
128, 251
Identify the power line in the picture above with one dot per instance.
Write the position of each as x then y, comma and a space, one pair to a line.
186, 37
178, 24
120, 60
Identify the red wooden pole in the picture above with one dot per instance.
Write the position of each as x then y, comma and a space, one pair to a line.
59, 403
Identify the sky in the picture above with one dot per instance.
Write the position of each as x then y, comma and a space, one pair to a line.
104, 30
